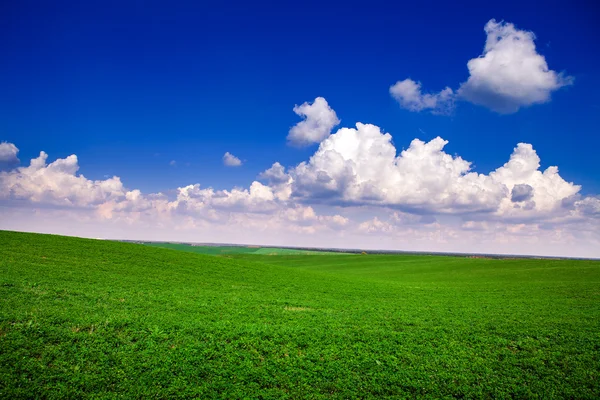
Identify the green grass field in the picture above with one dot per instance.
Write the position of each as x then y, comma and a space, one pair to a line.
230, 250
98, 319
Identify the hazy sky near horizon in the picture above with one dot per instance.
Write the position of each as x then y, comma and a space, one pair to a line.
401, 126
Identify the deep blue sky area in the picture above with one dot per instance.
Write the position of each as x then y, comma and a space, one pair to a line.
130, 86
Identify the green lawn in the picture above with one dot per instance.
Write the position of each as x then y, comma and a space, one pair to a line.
88, 318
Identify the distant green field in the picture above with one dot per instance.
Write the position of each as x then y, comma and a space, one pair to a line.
230, 250
85, 318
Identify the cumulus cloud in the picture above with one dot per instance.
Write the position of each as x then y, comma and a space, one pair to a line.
353, 167
258, 198
548, 188
278, 180
275, 175
355, 191
230, 160
589, 206
57, 183
375, 225
356, 167
306, 216
510, 74
361, 166
318, 121
408, 94
8, 153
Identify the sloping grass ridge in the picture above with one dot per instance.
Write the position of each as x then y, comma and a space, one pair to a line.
229, 250
84, 318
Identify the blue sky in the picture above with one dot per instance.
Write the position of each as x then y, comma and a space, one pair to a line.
130, 88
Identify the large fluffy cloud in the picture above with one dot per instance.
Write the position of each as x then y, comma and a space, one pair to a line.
510, 74
318, 121
361, 167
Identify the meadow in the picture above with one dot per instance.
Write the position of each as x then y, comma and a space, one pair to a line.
230, 250
83, 318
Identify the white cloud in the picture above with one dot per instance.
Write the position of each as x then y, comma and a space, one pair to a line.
8, 153
375, 225
589, 206
306, 216
258, 198
510, 74
275, 175
173, 163
230, 160
361, 166
548, 188
338, 220
57, 183
318, 121
59, 186
355, 191
278, 180
408, 94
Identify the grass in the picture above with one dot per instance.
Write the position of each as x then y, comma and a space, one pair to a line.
230, 250
98, 319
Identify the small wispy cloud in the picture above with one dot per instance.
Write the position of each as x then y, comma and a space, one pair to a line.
230, 160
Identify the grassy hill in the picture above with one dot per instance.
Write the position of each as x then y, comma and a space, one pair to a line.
230, 250
87, 318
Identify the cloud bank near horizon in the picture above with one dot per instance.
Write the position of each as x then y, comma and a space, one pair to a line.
356, 191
